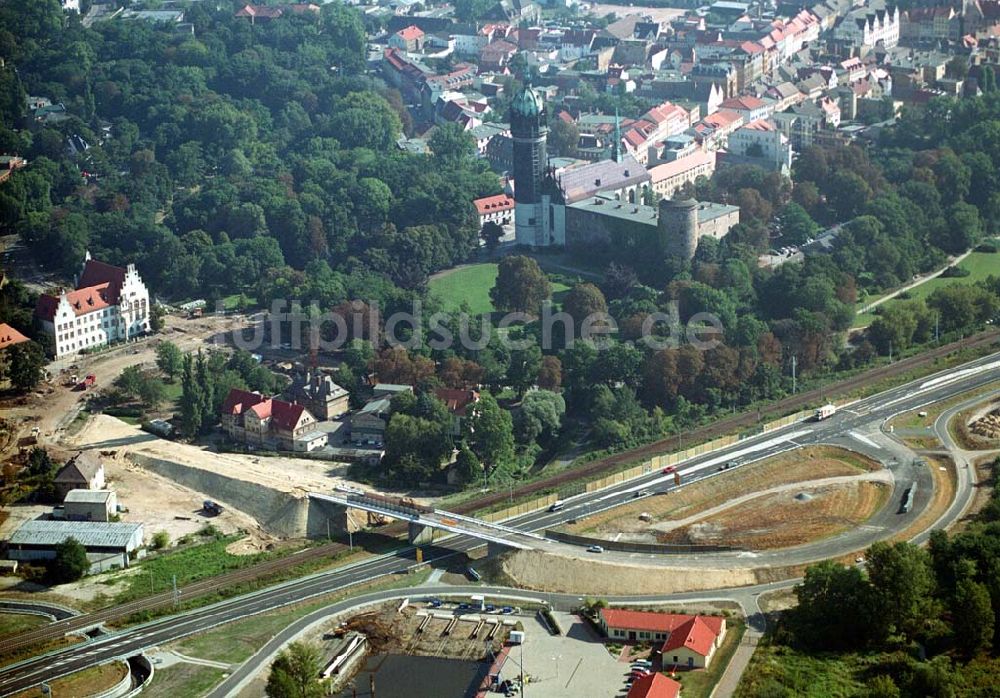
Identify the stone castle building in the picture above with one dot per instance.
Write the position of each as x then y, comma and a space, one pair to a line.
599, 204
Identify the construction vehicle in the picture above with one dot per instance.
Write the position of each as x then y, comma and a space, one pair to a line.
211, 508
825, 411
89, 380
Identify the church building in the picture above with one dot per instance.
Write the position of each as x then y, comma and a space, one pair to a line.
599, 204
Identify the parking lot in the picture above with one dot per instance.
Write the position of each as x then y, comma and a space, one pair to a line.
567, 666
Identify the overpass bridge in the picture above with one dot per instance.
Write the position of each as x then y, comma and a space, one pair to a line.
424, 520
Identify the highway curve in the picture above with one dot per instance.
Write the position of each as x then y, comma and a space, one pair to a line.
274, 567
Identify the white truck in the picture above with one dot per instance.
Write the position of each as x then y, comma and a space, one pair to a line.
825, 411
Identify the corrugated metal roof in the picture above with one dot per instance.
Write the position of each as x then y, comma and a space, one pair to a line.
91, 534
90, 496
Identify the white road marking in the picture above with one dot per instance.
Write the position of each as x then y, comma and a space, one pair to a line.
863, 439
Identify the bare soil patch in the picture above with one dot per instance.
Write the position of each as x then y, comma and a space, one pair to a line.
800, 465
782, 519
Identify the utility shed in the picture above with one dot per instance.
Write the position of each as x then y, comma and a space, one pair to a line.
107, 544
90, 505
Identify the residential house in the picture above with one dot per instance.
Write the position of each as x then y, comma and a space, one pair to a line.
84, 471
763, 143
458, 403
110, 304
688, 641
409, 38
654, 686
320, 395
264, 422
749, 107
9, 336
497, 209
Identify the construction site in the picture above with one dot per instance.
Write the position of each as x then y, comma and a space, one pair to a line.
790, 499
451, 645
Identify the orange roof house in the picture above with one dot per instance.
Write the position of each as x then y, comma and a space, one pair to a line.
9, 336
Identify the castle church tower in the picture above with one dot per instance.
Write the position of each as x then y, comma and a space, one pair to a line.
529, 131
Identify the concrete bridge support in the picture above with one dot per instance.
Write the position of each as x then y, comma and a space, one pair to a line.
494, 549
420, 534
328, 520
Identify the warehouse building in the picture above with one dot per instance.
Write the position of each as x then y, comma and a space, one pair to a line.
108, 545
90, 505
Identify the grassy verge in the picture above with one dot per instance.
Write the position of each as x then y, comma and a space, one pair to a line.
16, 623
188, 565
40, 648
980, 265
88, 682
236, 642
778, 670
183, 681
700, 684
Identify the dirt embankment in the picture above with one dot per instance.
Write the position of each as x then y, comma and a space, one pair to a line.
544, 571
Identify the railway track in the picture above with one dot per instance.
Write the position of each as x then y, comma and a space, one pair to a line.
263, 570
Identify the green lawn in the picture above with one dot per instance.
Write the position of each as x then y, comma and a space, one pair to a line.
183, 681
980, 265
189, 564
472, 284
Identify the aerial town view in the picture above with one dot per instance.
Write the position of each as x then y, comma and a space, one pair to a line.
473, 348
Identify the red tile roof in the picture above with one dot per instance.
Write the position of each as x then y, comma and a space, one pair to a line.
747, 102
237, 401
83, 301
760, 125
489, 204
695, 635
457, 401
654, 622
410, 33
285, 415
9, 336
654, 686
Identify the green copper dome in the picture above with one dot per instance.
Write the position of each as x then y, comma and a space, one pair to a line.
527, 102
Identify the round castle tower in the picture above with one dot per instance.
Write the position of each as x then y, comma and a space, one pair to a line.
678, 227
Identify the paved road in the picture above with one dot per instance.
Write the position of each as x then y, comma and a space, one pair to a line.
856, 426
745, 597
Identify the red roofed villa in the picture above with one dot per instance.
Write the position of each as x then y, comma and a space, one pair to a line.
688, 641
254, 419
497, 209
